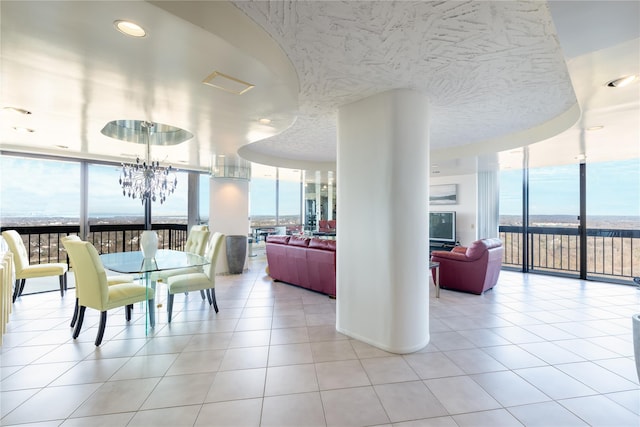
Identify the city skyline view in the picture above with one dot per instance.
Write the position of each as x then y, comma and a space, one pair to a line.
46, 188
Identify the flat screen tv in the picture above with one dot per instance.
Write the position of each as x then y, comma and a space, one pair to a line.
442, 226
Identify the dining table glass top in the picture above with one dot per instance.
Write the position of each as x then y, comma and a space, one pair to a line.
165, 259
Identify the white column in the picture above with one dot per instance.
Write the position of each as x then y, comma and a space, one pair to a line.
383, 253
229, 212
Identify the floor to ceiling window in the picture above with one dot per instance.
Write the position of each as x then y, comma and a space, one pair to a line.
262, 196
106, 202
174, 209
613, 219
289, 198
275, 197
583, 220
554, 210
35, 191
203, 196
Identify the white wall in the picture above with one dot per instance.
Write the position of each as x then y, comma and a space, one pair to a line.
465, 208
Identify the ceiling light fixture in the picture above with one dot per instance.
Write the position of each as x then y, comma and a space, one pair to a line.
17, 110
146, 180
129, 28
22, 130
265, 121
622, 81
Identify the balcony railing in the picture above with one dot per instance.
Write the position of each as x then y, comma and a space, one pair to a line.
43, 242
612, 255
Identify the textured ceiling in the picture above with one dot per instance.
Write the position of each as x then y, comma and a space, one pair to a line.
489, 68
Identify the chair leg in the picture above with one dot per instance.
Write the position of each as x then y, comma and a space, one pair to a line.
152, 313
103, 324
19, 287
213, 297
169, 307
16, 289
202, 295
79, 320
75, 315
127, 313
24, 281
61, 278
208, 296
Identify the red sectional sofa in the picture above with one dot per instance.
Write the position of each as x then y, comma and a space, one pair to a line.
302, 261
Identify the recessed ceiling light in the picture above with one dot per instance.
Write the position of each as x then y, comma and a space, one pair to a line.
265, 121
17, 110
622, 81
594, 128
129, 28
22, 130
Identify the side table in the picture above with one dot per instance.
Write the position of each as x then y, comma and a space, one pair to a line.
436, 265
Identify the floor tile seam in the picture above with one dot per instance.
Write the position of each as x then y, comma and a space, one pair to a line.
484, 352
49, 383
449, 413
33, 396
371, 386
590, 357
593, 392
635, 380
557, 365
567, 408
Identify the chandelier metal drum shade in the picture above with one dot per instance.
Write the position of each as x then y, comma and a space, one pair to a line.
146, 180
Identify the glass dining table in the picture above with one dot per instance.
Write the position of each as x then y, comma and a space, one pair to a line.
134, 263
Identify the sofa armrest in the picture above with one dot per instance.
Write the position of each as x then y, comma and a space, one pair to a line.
460, 249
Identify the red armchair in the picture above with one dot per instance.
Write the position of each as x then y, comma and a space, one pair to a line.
474, 269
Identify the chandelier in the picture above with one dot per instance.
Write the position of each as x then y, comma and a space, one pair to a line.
146, 180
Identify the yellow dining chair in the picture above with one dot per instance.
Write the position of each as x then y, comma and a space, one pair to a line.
24, 271
196, 244
111, 280
95, 291
198, 281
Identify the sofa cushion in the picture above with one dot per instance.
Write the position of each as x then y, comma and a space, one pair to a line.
329, 245
479, 247
283, 240
299, 241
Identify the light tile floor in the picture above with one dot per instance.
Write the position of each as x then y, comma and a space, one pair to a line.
535, 351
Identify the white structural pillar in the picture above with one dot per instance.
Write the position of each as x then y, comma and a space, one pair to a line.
382, 254
229, 212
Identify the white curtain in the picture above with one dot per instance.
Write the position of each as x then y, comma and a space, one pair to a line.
488, 204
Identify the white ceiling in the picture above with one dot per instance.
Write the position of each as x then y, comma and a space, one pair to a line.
499, 75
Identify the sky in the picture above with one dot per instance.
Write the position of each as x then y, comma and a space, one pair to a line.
35, 187
613, 189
